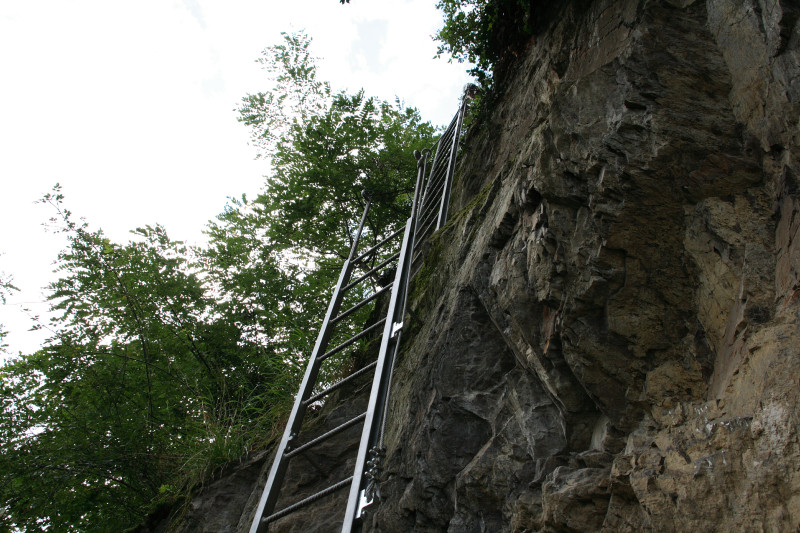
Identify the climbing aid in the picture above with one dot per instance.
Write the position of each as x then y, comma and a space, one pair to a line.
397, 253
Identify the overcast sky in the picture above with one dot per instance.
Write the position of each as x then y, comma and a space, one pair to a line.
129, 106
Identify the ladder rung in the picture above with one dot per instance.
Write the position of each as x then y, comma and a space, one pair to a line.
351, 340
432, 201
429, 216
338, 384
361, 304
414, 274
444, 149
430, 191
434, 195
450, 129
365, 276
384, 241
329, 434
305, 501
438, 174
426, 213
418, 236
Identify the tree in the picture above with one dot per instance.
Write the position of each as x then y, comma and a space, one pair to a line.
332, 146
296, 97
489, 33
141, 376
166, 361
325, 149
7, 287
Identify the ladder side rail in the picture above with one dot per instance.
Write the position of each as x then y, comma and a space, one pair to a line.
431, 204
269, 496
451, 164
439, 154
425, 186
426, 201
403, 280
377, 246
372, 433
370, 272
380, 384
416, 204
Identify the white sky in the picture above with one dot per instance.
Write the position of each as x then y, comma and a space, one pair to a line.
129, 105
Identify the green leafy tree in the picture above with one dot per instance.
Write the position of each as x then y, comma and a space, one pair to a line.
165, 361
7, 287
489, 33
325, 149
332, 146
296, 97
141, 376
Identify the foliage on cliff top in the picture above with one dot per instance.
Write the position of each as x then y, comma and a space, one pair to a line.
490, 33
483, 32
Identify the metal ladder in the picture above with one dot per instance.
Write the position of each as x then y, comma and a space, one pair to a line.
428, 213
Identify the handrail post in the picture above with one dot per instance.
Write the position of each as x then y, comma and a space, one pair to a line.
368, 197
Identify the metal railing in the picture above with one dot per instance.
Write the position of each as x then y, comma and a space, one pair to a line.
435, 169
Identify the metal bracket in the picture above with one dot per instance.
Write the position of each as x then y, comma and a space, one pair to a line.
396, 328
290, 442
363, 503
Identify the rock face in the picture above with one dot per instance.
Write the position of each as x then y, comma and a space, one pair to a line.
606, 334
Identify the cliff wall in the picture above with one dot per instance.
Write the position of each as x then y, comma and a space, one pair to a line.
605, 335
607, 329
